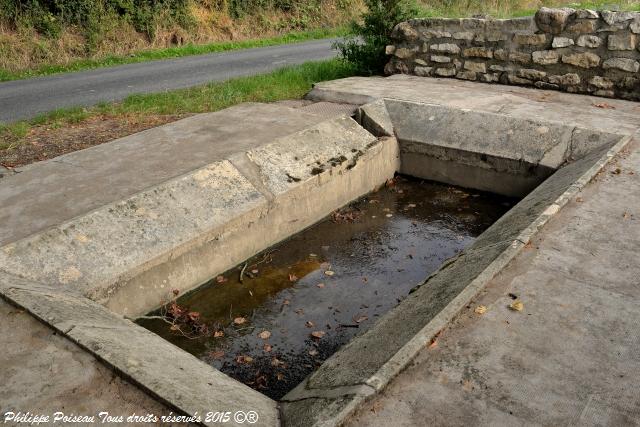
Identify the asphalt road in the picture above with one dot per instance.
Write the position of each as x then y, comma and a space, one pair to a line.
23, 99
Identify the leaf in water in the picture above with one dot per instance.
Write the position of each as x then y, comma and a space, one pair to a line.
243, 360
217, 354
265, 335
239, 320
318, 334
517, 305
481, 309
309, 324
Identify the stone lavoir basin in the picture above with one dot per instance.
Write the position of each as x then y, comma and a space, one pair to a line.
300, 301
357, 239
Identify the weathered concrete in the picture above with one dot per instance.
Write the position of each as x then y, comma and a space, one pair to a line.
143, 357
570, 357
158, 240
33, 200
76, 382
555, 107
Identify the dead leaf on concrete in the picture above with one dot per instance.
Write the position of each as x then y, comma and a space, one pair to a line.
626, 215
320, 285
360, 319
309, 324
318, 334
517, 305
604, 105
265, 335
329, 273
481, 309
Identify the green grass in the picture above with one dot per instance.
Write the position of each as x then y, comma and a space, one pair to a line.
172, 52
286, 83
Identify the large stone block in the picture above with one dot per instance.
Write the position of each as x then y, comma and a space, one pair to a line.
553, 21
618, 19
521, 57
622, 41
530, 39
451, 48
440, 59
624, 64
583, 26
601, 82
478, 52
479, 67
589, 41
559, 42
546, 57
405, 31
569, 79
531, 74
445, 72
582, 60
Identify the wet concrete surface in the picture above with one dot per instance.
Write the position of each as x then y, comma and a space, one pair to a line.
332, 280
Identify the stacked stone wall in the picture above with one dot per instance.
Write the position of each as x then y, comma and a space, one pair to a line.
579, 51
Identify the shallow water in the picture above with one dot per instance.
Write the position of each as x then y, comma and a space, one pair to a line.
337, 278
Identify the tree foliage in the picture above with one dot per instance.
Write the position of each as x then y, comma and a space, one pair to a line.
365, 48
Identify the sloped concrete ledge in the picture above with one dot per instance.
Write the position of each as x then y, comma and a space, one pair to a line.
397, 337
140, 356
129, 255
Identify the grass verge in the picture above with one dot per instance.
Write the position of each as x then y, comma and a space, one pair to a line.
513, 8
173, 52
66, 130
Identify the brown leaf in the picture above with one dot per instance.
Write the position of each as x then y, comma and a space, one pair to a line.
604, 105
309, 324
280, 376
320, 285
286, 302
481, 309
219, 354
267, 348
239, 320
221, 279
517, 305
329, 273
313, 352
265, 335
275, 362
194, 315
218, 334
292, 277
360, 319
176, 292
299, 311
243, 360
318, 334
255, 271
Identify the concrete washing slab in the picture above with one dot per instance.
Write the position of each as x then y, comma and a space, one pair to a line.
80, 270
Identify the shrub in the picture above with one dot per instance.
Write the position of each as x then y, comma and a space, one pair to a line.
365, 47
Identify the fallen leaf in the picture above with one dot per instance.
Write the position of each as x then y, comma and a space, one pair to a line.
434, 343
616, 171
626, 215
313, 352
275, 362
193, 315
176, 292
267, 348
265, 335
388, 215
292, 277
286, 302
411, 205
239, 320
221, 279
218, 334
242, 360
329, 273
299, 311
255, 271
360, 319
309, 324
313, 255
280, 376
217, 354
481, 309
320, 285
579, 199
604, 105
517, 305
318, 334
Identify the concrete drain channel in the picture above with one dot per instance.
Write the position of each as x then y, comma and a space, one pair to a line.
357, 239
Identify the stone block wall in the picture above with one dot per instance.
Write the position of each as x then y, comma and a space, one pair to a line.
580, 51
